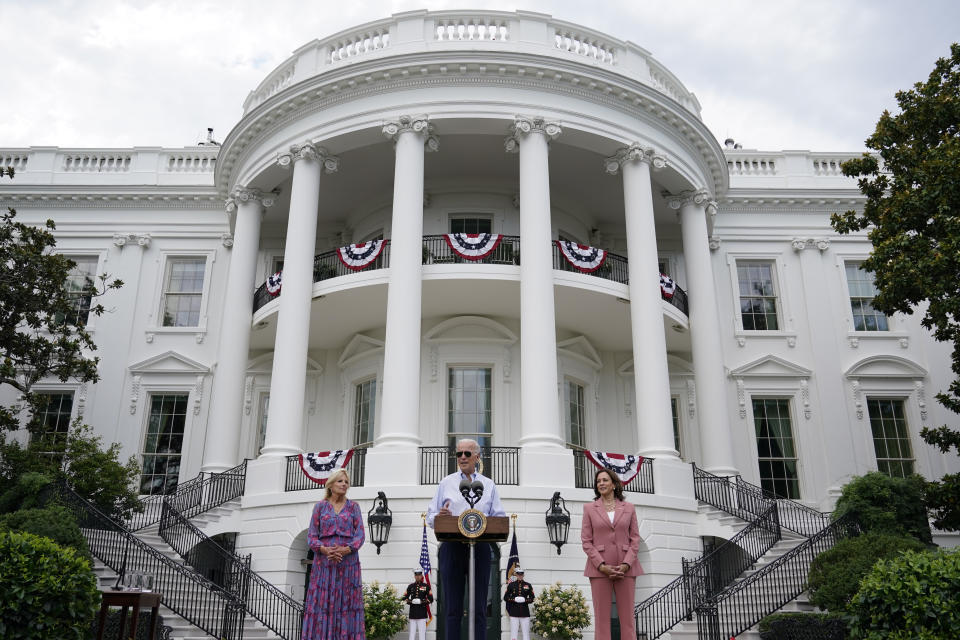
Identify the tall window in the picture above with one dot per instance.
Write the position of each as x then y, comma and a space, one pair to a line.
54, 416
163, 444
758, 298
576, 414
80, 285
471, 224
675, 414
183, 292
862, 293
891, 440
469, 405
776, 452
364, 411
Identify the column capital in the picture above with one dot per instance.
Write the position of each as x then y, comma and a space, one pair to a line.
523, 126
699, 197
309, 150
248, 194
417, 124
634, 153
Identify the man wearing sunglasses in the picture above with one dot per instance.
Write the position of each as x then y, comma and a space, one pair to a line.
454, 557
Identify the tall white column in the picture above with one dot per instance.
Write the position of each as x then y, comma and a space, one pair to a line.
399, 418
221, 448
650, 373
287, 385
708, 372
544, 459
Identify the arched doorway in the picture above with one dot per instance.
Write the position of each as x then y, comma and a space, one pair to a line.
493, 602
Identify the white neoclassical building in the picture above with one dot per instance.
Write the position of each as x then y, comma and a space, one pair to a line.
766, 361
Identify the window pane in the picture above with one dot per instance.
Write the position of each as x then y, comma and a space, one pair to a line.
80, 285
891, 439
163, 444
758, 300
183, 292
576, 423
364, 411
471, 224
862, 291
675, 412
469, 410
53, 417
776, 454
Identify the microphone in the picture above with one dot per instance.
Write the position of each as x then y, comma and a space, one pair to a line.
465, 489
477, 488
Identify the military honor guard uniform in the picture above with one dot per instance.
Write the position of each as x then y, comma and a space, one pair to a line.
418, 596
518, 597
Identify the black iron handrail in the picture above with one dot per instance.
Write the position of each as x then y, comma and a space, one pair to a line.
194, 598
296, 480
500, 464
276, 610
437, 251
736, 496
199, 494
584, 471
326, 265
732, 611
711, 572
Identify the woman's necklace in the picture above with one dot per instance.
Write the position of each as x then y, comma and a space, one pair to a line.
610, 506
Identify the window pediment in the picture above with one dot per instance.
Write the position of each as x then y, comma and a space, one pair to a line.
886, 367
475, 329
360, 346
263, 364
771, 367
579, 348
169, 362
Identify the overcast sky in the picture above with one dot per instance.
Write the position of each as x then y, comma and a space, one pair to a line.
773, 74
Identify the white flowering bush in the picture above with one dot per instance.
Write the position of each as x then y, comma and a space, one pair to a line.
560, 613
384, 616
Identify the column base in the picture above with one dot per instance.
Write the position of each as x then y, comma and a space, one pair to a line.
550, 467
673, 477
279, 451
722, 471
266, 475
389, 466
216, 467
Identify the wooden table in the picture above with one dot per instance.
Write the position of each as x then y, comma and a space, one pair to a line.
127, 599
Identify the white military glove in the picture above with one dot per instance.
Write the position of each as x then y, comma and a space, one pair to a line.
415, 601
519, 599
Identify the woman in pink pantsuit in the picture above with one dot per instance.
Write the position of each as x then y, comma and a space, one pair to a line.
611, 539
333, 608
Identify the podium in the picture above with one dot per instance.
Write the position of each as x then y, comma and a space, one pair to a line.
448, 529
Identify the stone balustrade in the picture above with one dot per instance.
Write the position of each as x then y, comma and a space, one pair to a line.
787, 168
523, 32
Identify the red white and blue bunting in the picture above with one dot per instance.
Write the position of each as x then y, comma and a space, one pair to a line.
473, 246
358, 256
274, 283
318, 466
625, 466
667, 286
580, 256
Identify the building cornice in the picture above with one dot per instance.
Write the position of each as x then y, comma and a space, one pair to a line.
94, 198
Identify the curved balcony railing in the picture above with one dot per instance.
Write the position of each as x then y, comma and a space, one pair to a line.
436, 251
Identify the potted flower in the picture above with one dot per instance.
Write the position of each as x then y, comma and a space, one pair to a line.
560, 613
384, 616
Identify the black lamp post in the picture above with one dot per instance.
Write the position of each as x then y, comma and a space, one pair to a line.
558, 521
379, 520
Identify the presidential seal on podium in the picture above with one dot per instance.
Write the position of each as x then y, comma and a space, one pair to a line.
472, 523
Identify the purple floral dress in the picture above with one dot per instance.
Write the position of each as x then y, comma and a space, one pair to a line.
333, 608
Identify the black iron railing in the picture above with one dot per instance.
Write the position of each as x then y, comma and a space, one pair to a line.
584, 472
501, 464
740, 606
296, 480
276, 610
437, 251
326, 265
195, 599
740, 498
702, 578
199, 494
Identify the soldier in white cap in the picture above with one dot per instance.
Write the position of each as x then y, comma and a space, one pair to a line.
418, 596
518, 597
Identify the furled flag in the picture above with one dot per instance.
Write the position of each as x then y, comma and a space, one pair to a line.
514, 560
318, 466
425, 565
625, 466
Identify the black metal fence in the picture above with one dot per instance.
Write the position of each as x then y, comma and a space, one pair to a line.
584, 472
614, 267
732, 611
199, 601
501, 464
199, 494
437, 251
296, 480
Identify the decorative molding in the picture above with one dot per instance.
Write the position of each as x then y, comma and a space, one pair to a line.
523, 126
142, 240
417, 124
507, 364
198, 395
434, 362
691, 398
226, 239
309, 151
515, 201
805, 397
741, 341
714, 243
822, 244
904, 343
921, 398
149, 336
791, 341
798, 244
699, 197
634, 153
248, 394
854, 342
81, 399
742, 398
857, 398
134, 393
157, 200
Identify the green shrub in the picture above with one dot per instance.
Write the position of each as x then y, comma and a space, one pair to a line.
46, 591
913, 597
384, 614
54, 522
560, 612
801, 626
882, 504
26, 492
835, 574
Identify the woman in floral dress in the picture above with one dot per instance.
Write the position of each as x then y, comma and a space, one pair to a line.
333, 608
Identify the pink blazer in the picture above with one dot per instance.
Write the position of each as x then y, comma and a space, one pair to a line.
611, 543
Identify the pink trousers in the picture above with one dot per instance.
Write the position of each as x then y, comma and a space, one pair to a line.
602, 590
